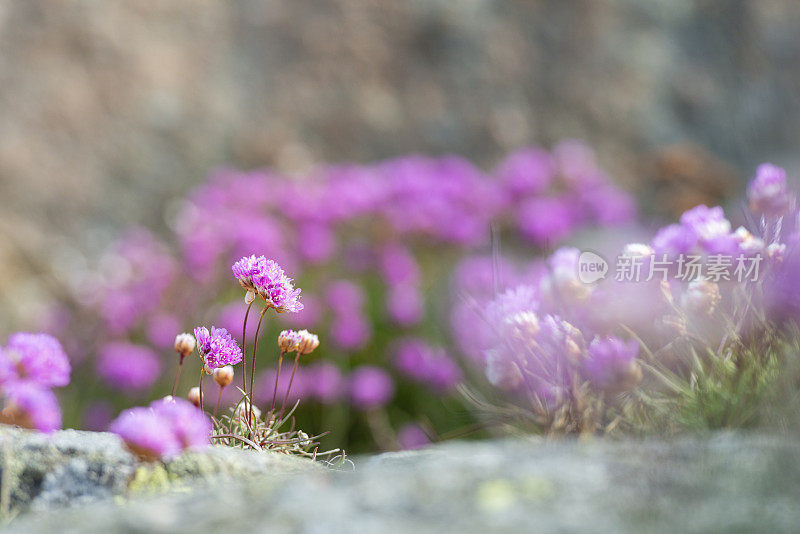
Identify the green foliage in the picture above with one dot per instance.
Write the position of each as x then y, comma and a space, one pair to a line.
742, 384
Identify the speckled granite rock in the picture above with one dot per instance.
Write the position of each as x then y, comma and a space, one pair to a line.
71, 468
725, 483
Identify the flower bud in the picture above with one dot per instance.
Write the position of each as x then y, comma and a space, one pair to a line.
307, 342
702, 296
184, 344
223, 375
249, 297
288, 340
194, 396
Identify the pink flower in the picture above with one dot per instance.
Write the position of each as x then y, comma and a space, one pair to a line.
216, 347
370, 387
163, 429
30, 405
127, 366
38, 358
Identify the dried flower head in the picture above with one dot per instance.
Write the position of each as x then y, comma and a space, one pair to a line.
307, 343
501, 370
184, 344
702, 297
522, 327
223, 375
288, 340
216, 347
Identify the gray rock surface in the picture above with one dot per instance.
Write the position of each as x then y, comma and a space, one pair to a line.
724, 483
70, 468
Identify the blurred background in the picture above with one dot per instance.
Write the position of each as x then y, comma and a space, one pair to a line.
111, 111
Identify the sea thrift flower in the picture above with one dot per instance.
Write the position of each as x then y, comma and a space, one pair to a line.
288, 340
146, 433
708, 223
562, 282
611, 363
189, 425
405, 305
432, 366
370, 387
30, 405
351, 332
38, 358
277, 290
674, 240
326, 383
245, 270
127, 366
546, 220
768, 193
160, 330
217, 348
184, 344
527, 171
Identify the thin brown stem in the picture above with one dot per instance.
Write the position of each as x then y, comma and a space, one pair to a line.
244, 347
202, 372
277, 377
253, 363
219, 398
291, 379
177, 376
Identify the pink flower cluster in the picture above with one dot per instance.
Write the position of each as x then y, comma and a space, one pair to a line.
163, 429
30, 365
372, 240
528, 325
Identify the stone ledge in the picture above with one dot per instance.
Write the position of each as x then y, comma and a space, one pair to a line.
72, 468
